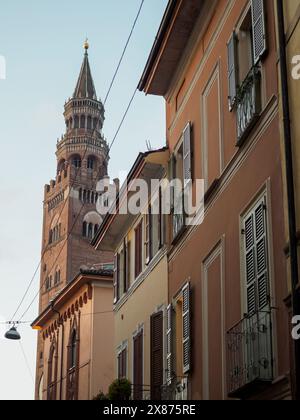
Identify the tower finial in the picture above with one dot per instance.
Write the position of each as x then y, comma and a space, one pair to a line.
86, 45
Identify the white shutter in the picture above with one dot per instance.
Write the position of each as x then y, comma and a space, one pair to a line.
172, 175
256, 259
186, 329
232, 70
259, 29
187, 154
169, 363
116, 279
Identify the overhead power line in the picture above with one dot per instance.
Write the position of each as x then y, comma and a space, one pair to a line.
77, 172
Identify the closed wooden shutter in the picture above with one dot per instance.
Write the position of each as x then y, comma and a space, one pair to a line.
186, 329
148, 233
161, 227
138, 249
125, 267
232, 70
259, 29
116, 278
122, 364
256, 259
157, 376
172, 176
138, 367
187, 154
128, 265
169, 361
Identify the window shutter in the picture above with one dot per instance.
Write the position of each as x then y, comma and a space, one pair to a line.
186, 329
169, 362
138, 249
128, 265
148, 242
256, 259
261, 256
160, 221
116, 278
259, 29
172, 175
232, 70
187, 154
125, 267
156, 355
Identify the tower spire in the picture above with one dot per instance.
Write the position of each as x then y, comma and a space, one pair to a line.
85, 87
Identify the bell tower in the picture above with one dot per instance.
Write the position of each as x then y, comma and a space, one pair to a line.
70, 216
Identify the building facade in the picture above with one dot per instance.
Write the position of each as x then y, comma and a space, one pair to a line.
215, 63
70, 217
139, 242
77, 340
288, 30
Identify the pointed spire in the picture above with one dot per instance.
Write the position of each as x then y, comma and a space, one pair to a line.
85, 86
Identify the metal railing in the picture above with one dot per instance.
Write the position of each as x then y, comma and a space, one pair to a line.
248, 102
250, 353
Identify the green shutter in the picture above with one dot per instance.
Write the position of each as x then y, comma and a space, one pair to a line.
186, 329
256, 259
187, 154
259, 29
232, 70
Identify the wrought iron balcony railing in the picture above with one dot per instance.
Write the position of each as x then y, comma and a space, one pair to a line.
248, 103
250, 354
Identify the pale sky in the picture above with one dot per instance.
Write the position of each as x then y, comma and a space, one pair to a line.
42, 44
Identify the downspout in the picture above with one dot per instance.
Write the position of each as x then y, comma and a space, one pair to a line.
60, 323
290, 187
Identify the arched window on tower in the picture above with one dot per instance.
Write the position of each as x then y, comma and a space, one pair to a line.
71, 123
91, 231
95, 123
91, 162
76, 122
76, 161
82, 121
89, 123
84, 229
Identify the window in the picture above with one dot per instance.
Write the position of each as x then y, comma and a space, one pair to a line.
73, 350
154, 228
180, 171
255, 259
157, 353
138, 366
82, 121
76, 161
57, 278
178, 334
122, 364
52, 373
139, 249
246, 48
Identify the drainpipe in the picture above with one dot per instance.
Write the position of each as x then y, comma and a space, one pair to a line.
60, 323
290, 187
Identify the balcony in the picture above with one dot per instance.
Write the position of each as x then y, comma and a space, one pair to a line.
250, 355
248, 103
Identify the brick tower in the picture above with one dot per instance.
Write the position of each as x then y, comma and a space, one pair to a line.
70, 217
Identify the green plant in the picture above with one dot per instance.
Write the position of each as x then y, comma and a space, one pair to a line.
120, 390
101, 397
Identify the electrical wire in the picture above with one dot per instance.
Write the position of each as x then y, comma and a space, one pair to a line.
77, 172
26, 361
124, 51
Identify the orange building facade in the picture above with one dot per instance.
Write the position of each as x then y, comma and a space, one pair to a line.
215, 63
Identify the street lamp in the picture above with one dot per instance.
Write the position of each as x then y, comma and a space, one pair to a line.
13, 334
